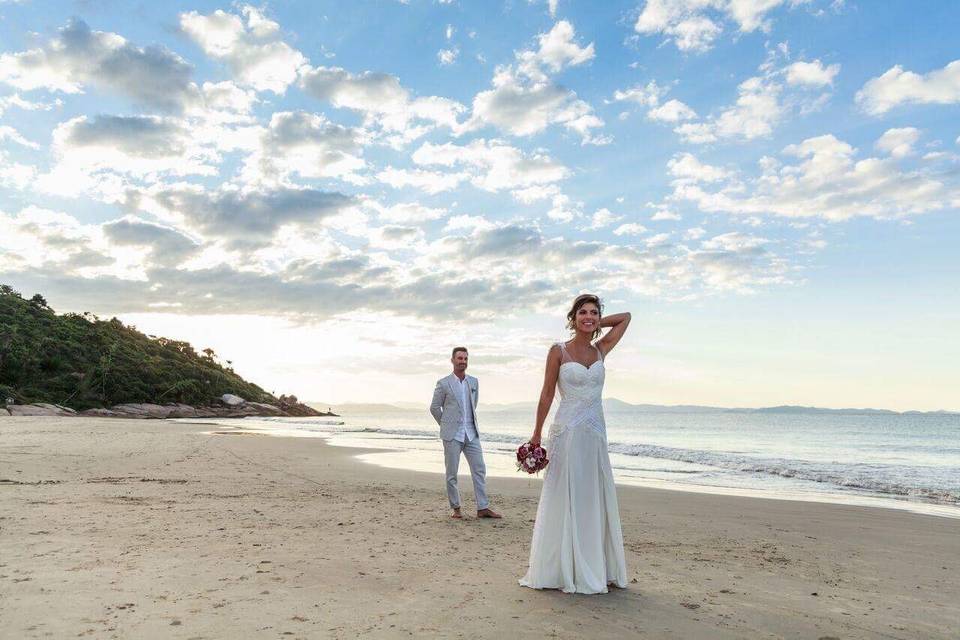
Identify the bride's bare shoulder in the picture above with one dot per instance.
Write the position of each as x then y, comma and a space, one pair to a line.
555, 355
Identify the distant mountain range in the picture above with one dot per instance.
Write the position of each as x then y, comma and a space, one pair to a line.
612, 405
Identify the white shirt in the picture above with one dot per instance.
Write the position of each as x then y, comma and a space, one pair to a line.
468, 430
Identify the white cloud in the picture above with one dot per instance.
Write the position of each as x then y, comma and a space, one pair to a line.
99, 156
460, 222
696, 133
226, 102
738, 262
630, 229
755, 114
686, 168
694, 233
657, 240
494, 165
826, 182
431, 182
764, 100
15, 100
603, 218
396, 237
665, 214
151, 76
551, 6
261, 235
16, 175
694, 25
647, 96
368, 91
811, 73
166, 245
557, 50
9, 133
448, 56
383, 101
897, 87
938, 156
406, 213
524, 109
249, 44
276, 268
524, 100
898, 142
243, 219
535, 193
564, 209
734, 241
672, 111
696, 33
308, 145
37, 238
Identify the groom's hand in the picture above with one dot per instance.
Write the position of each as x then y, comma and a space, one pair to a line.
436, 404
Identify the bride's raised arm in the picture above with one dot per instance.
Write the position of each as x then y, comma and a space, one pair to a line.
550, 374
619, 323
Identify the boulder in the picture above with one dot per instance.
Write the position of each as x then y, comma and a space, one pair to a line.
240, 412
142, 410
183, 411
264, 409
231, 400
299, 410
99, 413
232, 407
39, 409
55, 407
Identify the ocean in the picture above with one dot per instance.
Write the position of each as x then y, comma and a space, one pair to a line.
906, 461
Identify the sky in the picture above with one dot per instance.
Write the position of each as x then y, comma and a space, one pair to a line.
333, 195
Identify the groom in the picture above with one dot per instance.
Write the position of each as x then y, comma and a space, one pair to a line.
454, 408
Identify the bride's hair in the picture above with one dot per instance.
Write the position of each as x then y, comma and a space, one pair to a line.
578, 302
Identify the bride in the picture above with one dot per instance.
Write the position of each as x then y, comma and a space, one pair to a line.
577, 543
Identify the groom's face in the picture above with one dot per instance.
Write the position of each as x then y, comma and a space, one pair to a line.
459, 361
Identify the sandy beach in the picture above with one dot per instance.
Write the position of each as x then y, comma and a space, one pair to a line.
156, 529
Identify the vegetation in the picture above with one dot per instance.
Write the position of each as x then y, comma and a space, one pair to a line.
81, 361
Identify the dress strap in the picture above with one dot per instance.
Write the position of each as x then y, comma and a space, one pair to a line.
564, 355
599, 353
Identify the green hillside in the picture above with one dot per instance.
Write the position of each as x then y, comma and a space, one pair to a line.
81, 361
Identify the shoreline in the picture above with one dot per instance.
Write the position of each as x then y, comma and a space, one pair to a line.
388, 456
153, 529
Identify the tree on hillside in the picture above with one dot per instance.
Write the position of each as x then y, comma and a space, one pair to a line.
80, 361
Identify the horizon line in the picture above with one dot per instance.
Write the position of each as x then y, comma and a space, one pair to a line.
394, 403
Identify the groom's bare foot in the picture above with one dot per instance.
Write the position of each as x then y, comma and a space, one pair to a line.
488, 513
456, 514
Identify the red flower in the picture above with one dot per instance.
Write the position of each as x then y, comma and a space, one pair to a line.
531, 459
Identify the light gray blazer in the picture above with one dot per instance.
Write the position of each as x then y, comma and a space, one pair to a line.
446, 408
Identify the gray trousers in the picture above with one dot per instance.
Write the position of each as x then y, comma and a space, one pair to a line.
474, 454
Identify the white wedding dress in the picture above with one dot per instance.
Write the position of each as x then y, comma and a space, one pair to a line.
577, 541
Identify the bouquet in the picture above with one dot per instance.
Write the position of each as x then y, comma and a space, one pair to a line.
531, 459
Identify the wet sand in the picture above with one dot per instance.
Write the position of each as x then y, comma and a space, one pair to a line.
155, 529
